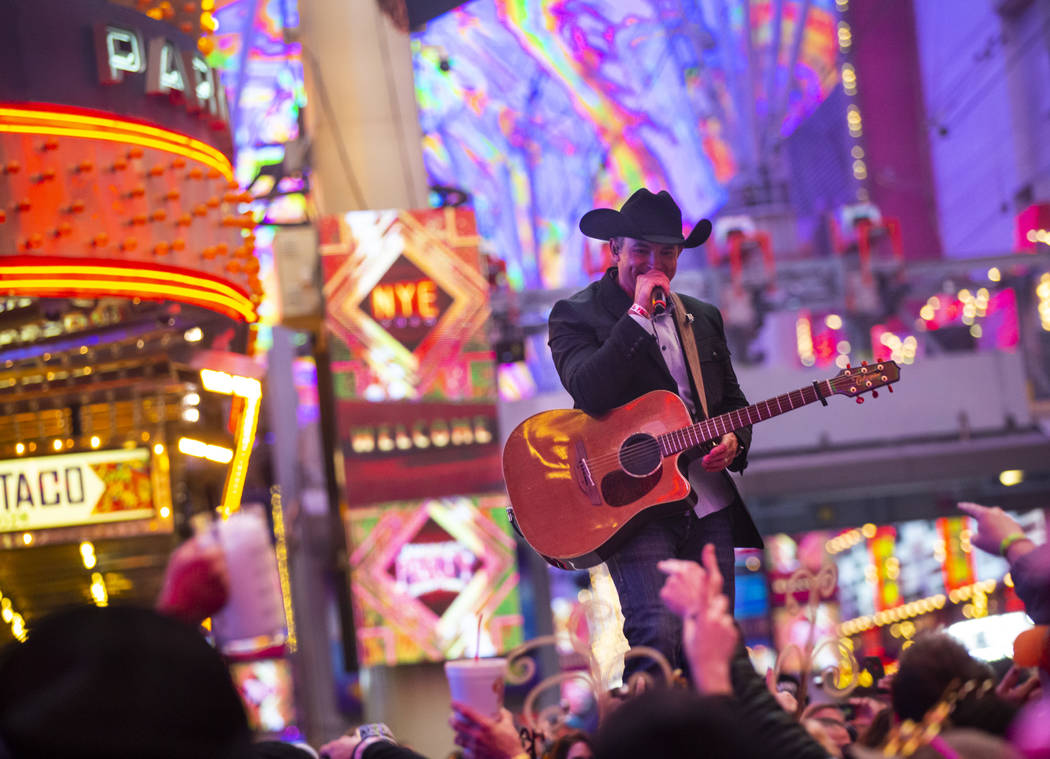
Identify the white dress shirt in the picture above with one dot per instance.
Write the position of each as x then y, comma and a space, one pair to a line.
712, 490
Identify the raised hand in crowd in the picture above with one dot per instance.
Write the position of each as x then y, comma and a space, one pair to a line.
709, 635
785, 698
997, 532
484, 737
1018, 686
196, 583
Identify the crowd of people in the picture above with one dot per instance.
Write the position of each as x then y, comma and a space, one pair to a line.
126, 682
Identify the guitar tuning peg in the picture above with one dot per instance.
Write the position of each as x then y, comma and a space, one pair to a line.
860, 399
890, 388
874, 393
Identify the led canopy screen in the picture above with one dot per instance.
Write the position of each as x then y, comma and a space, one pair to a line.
543, 109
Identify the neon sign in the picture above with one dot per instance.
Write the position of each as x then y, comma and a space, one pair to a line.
437, 433
422, 568
76, 489
406, 299
181, 73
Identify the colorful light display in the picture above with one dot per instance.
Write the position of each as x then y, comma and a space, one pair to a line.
263, 73
407, 306
424, 571
623, 93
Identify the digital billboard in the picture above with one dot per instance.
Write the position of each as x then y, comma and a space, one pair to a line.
413, 373
424, 572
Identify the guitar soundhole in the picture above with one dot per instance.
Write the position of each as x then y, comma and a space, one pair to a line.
640, 455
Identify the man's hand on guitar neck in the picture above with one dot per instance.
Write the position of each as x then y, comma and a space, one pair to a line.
722, 455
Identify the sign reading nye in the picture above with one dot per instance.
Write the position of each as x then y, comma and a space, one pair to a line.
75, 489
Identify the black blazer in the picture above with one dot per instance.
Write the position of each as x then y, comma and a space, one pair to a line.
606, 359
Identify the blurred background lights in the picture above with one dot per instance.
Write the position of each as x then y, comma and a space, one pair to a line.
1010, 477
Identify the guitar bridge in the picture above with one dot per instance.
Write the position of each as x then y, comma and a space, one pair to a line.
581, 473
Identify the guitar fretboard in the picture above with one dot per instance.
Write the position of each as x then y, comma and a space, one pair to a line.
714, 428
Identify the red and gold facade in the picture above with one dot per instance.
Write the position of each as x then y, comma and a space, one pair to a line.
128, 284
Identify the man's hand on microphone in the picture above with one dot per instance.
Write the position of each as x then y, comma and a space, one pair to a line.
643, 288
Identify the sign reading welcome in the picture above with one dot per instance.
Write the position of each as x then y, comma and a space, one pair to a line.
75, 489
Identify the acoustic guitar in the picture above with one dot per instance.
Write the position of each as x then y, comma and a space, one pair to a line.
578, 484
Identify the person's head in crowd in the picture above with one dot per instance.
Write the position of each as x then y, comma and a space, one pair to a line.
118, 683
933, 665
673, 724
927, 668
574, 745
281, 750
831, 718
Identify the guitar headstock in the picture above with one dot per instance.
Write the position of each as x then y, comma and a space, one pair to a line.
857, 380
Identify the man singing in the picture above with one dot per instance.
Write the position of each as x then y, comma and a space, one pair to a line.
618, 339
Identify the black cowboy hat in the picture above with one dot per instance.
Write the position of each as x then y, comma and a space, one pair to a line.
644, 216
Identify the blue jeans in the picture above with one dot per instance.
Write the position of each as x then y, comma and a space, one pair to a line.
647, 621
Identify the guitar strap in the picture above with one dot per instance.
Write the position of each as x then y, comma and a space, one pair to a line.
692, 357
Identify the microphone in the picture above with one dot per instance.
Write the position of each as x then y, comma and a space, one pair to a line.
659, 301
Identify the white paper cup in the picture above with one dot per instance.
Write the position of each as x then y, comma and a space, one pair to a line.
253, 617
478, 683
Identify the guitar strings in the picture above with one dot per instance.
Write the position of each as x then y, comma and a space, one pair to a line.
629, 453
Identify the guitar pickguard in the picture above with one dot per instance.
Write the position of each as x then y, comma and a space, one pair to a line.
621, 489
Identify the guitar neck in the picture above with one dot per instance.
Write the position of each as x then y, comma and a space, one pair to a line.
714, 428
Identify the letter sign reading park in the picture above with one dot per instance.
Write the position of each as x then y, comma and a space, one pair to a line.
60, 491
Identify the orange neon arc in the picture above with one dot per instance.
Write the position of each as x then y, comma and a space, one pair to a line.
118, 280
39, 120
